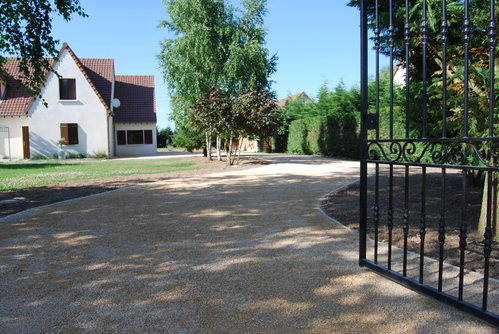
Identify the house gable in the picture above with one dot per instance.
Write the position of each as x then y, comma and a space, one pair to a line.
88, 111
98, 72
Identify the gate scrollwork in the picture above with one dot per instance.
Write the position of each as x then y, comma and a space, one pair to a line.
455, 153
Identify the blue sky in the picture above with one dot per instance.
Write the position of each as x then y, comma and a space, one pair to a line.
316, 41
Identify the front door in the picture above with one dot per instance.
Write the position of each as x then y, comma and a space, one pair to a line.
26, 154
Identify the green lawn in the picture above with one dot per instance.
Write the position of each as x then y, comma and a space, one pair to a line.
26, 174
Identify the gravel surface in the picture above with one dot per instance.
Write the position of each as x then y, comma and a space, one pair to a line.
33, 197
234, 252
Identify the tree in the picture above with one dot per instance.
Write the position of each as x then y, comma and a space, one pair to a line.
164, 137
301, 108
454, 65
342, 103
212, 114
476, 87
255, 114
192, 61
187, 137
214, 46
249, 65
26, 27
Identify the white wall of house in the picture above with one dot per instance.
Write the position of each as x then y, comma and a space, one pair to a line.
399, 76
15, 125
136, 149
87, 111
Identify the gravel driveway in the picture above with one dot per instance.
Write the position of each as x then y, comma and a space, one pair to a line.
238, 252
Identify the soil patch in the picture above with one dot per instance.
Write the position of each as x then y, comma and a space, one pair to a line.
344, 207
48, 194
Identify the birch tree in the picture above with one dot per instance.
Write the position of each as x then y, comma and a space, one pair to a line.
213, 45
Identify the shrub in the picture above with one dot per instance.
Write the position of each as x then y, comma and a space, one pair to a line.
164, 137
99, 155
315, 139
296, 137
322, 135
75, 155
188, 138
38, 157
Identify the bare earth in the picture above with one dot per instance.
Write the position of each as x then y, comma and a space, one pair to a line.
341, 205
243, 251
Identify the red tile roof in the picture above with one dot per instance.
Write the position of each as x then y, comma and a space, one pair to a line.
282, 102
100, 72
16, 101
136, 94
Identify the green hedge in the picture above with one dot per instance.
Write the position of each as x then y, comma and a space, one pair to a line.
297, 143
322, 135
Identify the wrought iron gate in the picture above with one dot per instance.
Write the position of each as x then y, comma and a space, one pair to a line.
430, 145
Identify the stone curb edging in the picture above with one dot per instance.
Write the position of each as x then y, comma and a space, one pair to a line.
334, 192
32, 211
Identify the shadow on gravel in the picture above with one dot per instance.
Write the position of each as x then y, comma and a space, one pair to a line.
227, 254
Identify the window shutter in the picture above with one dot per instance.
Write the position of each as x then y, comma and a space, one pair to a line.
147, 136
64, 133
121, 136
73, 134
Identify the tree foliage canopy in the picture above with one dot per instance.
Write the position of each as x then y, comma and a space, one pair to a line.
255, 113
212, 113
479, 49
216, 53
213, 46
192, 61
25, 29
251, 113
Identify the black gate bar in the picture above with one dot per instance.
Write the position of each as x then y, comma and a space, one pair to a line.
449, 152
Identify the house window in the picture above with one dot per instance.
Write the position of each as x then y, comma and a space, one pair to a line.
67, 89
69, 131
121, 136
135, 137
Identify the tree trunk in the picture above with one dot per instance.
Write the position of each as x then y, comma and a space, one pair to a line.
229, 150
239, 149
482, 224
208, 145
219, 142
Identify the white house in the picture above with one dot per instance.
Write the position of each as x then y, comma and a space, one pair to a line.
94, 110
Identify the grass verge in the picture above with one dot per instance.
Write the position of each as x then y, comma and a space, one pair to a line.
21, 175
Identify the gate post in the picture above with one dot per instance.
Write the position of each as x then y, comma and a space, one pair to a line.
363, 131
